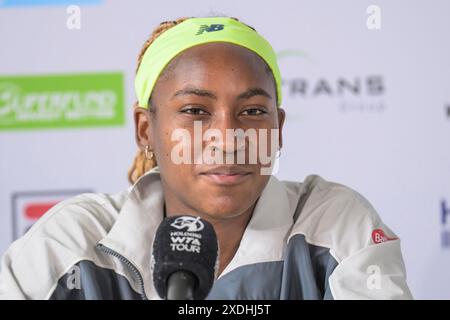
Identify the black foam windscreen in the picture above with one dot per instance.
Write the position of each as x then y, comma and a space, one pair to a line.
185, 243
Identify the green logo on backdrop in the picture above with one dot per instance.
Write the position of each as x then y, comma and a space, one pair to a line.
60, 101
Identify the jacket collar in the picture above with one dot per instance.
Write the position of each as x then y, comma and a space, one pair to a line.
143, 210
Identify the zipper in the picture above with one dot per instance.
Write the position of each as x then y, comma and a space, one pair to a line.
128, 264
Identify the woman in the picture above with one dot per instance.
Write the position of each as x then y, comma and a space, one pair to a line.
278, 240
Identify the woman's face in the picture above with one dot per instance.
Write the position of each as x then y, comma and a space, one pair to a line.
224, 86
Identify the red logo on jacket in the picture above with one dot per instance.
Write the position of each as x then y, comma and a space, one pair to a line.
378, 236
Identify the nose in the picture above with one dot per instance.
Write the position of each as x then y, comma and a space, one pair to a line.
227, 125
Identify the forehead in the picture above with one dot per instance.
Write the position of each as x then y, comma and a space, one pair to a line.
217, 62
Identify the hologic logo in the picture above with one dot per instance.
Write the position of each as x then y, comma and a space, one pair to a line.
57, 101
186, 240
191, 223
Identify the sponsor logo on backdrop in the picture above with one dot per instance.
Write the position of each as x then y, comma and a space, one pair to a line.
29, 206
59, 101
445, 223
362, 93
20, 3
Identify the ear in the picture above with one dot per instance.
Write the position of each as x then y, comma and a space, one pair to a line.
281, 118
142, 125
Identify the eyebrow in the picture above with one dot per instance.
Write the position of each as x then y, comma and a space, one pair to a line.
251, 92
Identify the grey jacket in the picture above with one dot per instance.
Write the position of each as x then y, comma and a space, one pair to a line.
306, 240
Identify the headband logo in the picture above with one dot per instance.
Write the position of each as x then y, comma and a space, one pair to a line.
209, 28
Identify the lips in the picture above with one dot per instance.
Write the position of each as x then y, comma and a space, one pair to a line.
226, 175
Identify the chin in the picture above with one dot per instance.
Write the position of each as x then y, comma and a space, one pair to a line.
226, 208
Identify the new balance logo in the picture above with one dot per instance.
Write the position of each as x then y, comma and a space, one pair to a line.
209, 28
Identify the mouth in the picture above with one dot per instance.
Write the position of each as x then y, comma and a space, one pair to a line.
226, 175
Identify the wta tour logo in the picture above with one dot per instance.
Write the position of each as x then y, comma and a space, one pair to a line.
188, 240
28, 207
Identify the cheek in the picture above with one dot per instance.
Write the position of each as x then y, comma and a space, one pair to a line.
165, 147
162, 139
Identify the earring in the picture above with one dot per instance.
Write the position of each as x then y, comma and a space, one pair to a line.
278, 154
149, 154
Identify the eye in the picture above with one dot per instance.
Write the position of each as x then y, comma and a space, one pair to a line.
197, 111
254, 112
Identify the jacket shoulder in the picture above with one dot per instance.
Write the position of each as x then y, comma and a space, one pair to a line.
64, 235
334, 216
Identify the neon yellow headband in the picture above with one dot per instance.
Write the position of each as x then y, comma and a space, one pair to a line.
192, 32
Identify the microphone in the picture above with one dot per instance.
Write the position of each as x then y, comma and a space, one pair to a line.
185, 258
